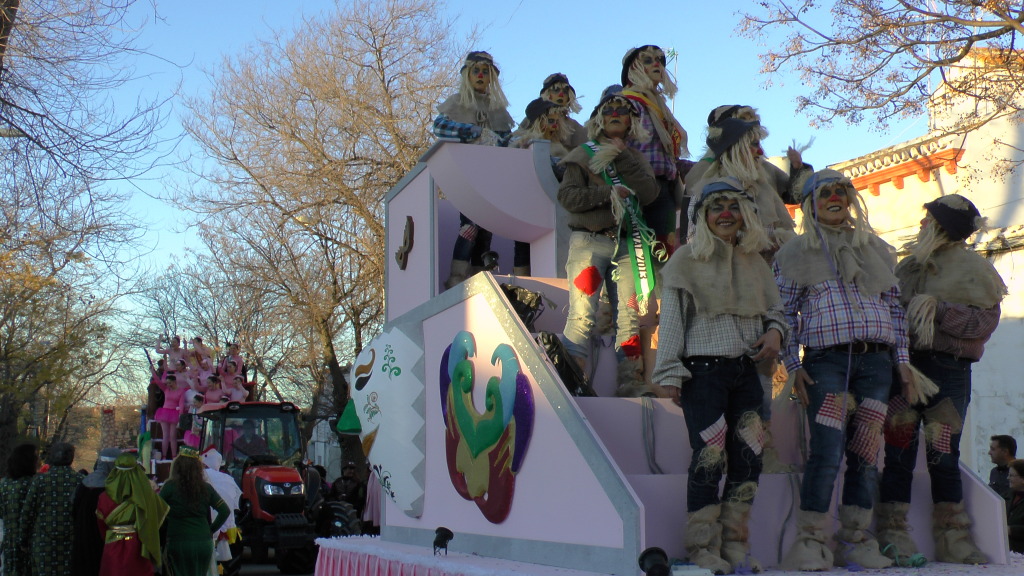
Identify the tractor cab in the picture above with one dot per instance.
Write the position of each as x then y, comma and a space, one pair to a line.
253, 433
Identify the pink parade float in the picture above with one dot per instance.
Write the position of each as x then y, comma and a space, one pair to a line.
468, 426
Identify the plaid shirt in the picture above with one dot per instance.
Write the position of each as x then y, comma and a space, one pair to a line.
683, 333
825, 315
962, 330
445, 127
663, 163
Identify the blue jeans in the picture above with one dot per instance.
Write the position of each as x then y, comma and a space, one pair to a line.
721, 391
836, 429
588, 267
946, 410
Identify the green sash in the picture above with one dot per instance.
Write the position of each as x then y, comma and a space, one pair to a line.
640, 234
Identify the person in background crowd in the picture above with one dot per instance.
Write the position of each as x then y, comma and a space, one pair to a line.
1002, 448
952, 296
189, 529
1015, 505
605, 179
842, 302
720, 315
129, 514
87, 547
229, 491
476, 114
21, 467
48, 524
174, 353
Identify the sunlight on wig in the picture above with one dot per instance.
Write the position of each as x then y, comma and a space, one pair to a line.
533, 130
739, 161
751, 238
639, 79
573, 104
637, 132
858, 217
468, 96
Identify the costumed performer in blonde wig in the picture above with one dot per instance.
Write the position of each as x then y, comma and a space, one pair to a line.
646, 81
952, 296
557, 90
720, 315
476, 114
841, 300
605, 185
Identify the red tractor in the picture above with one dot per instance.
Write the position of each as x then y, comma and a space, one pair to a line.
280, 507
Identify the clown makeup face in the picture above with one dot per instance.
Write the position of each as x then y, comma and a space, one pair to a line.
549, 124
558, 94
756, 150
724, 219
480, 76
833, 204
617, 118
653, 62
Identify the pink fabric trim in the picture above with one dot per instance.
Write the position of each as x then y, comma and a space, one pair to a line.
333, 562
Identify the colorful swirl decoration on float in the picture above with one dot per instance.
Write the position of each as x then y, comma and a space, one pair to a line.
485, 451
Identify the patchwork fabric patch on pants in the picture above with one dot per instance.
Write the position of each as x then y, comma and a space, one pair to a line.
867, 429
901, 422
714, 435
588, 280
831, 413
751, 430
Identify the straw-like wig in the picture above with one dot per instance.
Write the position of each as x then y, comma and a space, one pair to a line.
858, 211
639, 80
556, 79
738, 161
496, 99
751, 238
595, 126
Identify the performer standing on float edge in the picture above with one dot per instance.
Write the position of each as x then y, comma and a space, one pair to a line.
952, 296
842, 302
720, 315
600, 177
646, 81
476, 114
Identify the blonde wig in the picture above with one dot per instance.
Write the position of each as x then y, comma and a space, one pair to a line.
530, 131
642, 83
595, 126
858, 217
573, 105
739, 160
495, 98
751, 238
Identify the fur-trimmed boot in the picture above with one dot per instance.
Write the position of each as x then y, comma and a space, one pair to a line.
704, 539
809, 552
630, 378
951, 528
735, 521
458, 273
893, 530
854, 544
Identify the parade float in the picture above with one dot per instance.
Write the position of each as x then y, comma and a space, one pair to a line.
487, 464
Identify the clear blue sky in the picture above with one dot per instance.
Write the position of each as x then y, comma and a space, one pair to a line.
529, 39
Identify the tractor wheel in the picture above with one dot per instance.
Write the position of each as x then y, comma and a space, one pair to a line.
297, 560
338, 519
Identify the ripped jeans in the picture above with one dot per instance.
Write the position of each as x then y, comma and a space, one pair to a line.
839, 427
945, 412
721, 403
